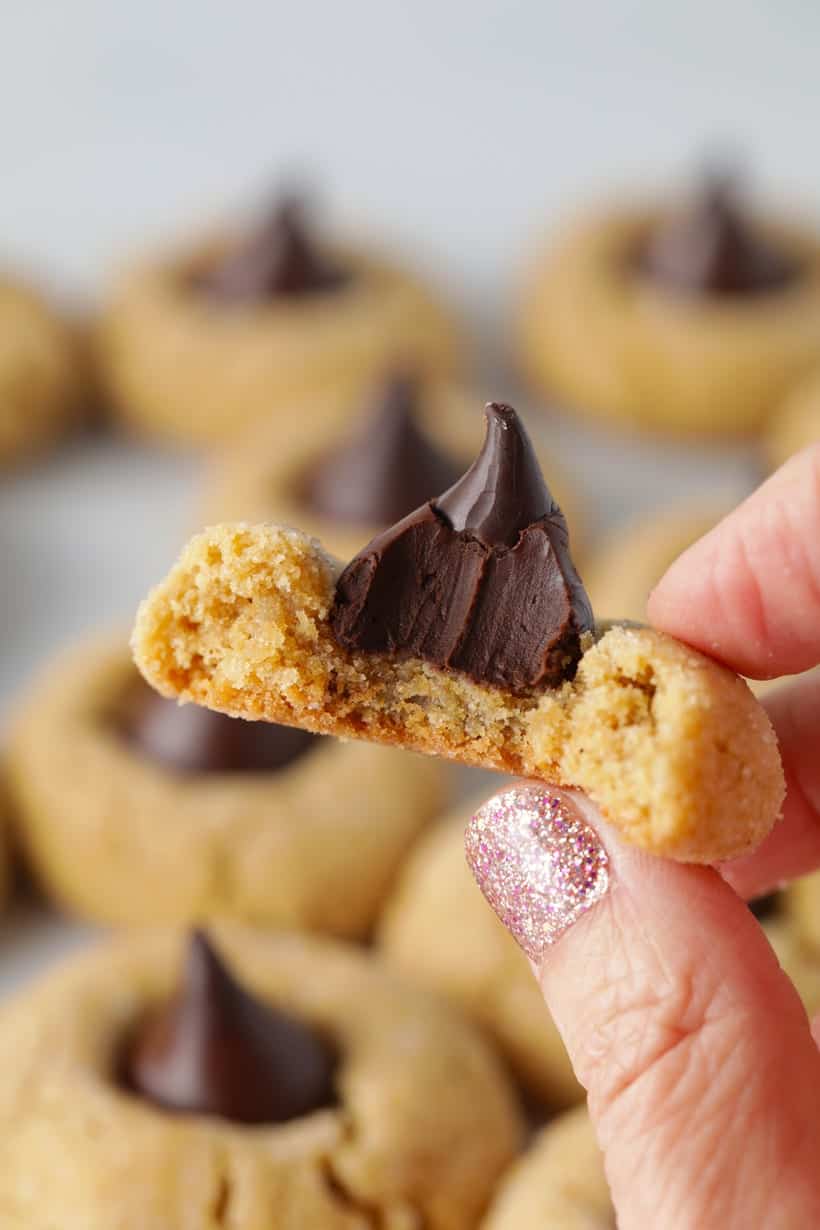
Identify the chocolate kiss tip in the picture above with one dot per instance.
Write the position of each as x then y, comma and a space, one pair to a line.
215, 1049
503, 492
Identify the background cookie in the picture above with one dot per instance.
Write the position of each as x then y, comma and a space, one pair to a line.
188, 366
796, 423
116, 835
621, 573
438, 929
79, 1150
559, 1182
39, 373
264, 476
599, 338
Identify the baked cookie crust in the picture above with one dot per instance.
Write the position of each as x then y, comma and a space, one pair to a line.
179, 366
314, 845
597, 338
559, 1182
39, 373
78, 1151
437, 929
673, 748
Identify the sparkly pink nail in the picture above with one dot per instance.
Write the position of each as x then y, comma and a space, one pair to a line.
539, 865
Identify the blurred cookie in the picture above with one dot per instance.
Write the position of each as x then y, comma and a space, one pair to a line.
199, 345
620, 575
796, 424
437, 928
694, 320
797, 954
803, 897
133, 810
558, 1184
378, 455
40, 380
252, 1081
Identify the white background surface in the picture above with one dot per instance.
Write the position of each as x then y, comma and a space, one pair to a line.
457, 129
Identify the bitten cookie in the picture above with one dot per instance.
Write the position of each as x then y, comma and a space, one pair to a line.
252, 1082
694, 321
796, 424
559, 1183
197, 346
39, 376
349, 465
133, 810
437, 928
465, 632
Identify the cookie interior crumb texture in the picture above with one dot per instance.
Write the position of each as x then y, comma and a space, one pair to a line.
673, 748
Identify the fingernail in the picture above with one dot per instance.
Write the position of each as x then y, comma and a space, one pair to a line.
538, 863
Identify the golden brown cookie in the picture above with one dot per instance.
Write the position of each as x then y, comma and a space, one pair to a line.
266, 476
437, 928
672, 747
39, 376
80, 1151
187, 356
559, 1183
598, 335
314, 844
796, 424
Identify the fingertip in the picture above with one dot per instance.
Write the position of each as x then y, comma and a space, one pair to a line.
748, 592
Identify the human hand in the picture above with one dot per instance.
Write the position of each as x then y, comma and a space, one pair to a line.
702, 1072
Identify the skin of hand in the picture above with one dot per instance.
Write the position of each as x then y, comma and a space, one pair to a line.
702, 1071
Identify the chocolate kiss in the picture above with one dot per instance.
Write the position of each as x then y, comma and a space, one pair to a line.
386, 469
711, 249
279, 259
504, 490
190, 739
214, 1049
479, 581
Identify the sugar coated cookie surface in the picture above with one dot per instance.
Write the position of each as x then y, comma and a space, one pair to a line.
112, 1115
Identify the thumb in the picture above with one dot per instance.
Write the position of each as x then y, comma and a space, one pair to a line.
696, 1053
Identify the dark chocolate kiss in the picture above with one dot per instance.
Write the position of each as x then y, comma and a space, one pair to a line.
214, 1049
190, 739
479, 580
711, 249
386, 469
280, 259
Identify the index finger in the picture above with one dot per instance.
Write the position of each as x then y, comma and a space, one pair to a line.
748, 593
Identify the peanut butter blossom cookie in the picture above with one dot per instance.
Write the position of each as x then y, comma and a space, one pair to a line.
797, 422
39, 373
694, 320
132, 809
246, 1081
558, 1184
437, 928
465, 631
198, 346
385, 450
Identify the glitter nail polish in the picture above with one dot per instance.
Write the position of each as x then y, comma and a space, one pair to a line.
538, 863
